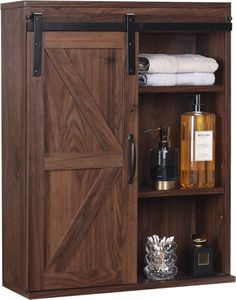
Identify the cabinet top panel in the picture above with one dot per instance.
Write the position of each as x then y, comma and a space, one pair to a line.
159, 12
123, 4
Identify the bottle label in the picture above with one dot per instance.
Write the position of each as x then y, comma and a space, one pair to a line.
203, 145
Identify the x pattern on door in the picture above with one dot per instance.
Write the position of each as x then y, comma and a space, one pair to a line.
104, 188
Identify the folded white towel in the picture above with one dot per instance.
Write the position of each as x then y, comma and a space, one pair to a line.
181, 63
177, 79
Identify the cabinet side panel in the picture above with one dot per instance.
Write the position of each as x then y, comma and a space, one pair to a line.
227, 156
13, 150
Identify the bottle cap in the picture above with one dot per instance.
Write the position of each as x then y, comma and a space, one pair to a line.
199, 240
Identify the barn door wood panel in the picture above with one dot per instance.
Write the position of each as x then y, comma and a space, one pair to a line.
82, 210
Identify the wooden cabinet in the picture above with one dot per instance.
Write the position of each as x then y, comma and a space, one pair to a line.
77, 206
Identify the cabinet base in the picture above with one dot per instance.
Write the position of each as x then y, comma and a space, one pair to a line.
141, 285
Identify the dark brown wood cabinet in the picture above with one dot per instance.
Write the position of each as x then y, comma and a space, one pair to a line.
77, 206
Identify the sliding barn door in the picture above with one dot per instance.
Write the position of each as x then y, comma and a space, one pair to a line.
82, 211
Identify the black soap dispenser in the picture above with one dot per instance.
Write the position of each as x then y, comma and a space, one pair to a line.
164, 162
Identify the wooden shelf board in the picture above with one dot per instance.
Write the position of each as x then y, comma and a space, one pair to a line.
180, 89
148, 193
186, 280
140, 285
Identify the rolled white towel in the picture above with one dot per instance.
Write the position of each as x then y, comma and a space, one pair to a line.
177, 79
181, 63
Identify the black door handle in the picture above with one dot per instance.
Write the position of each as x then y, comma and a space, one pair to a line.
132, 160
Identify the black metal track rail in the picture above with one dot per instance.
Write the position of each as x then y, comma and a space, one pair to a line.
139, 27
48, 26
36, 24
142, 27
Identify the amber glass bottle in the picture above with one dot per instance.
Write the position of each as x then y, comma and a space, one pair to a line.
197, 153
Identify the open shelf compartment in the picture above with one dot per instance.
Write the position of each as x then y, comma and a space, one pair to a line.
166, 109
182, 217
183, 212
210, 44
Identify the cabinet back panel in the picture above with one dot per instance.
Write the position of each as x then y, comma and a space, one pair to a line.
213, 45
212, 220
167, 43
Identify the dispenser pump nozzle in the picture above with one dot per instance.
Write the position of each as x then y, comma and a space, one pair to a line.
197, 104
164, 136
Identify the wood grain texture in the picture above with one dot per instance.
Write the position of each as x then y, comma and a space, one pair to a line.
145, 12
181, 89
92, 202
149, 193
100, 4
14, 207
35, 144
169, 43
100, 277
85, 170
74, 41
130, 206
62, 161
99, 249
72, 224
65, 193
67, 129
211, 221
225, 248
83, 98
162, 110
142, 285
227, 155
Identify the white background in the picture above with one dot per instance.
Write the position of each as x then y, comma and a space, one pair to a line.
220, 291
